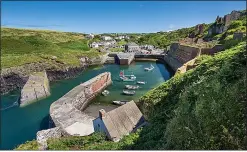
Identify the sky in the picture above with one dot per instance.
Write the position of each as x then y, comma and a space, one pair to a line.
113, 17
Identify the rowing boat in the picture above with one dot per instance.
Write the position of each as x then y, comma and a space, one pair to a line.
131, 87
128, 92
120, 102
141, 82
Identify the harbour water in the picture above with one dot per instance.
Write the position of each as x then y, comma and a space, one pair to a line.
21, 124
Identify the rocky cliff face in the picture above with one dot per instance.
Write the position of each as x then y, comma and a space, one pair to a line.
221, 23
16, 77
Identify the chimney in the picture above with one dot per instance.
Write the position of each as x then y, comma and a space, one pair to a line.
102, 113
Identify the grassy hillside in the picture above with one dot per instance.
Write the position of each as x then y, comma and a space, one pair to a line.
21, 46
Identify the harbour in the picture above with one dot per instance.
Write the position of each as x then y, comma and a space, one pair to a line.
21, 124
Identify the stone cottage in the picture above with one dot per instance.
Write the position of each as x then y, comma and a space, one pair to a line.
132, 47
120, 121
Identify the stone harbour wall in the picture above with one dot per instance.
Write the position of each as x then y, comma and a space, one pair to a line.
36, 88
180, 54
67, 112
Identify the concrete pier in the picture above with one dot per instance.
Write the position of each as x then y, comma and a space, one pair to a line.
36, 88
67, 112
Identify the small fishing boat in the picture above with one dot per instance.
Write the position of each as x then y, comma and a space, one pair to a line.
141, 82
131, 87
105, 92
127, 77
128, 92
122, 102
150, 68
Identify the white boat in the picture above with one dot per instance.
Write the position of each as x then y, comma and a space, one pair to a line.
131, 87
127, 77
141, 82
120, 102
150, 68
128, 92
105, 92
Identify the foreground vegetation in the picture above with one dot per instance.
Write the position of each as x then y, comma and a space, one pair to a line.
21, 46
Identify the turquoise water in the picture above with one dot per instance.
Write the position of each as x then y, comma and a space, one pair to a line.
21, 124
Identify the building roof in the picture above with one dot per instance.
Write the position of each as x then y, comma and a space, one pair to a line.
124, 55
122, 120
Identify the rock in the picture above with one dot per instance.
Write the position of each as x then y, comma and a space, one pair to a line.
43, 135
53, 57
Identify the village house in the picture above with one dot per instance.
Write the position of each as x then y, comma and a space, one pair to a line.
106, 38
132, 47
147, 47
120, 121
121, 37
90, 36
94, 45
103, 44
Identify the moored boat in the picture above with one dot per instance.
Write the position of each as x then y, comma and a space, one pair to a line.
105, 92
150, 68
122, 102
131, 87
141, 82
127, 77
128, 92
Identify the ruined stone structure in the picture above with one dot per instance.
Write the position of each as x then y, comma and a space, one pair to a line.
36, 88
67, 112
222, 23
200, 28
212, 50
181, 56
238, 36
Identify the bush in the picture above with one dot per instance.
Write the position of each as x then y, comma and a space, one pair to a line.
235, 24
29, 145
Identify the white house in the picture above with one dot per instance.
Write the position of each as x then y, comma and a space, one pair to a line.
94, 45
90, 36
106, 38
147, 47
122, 37
120, 121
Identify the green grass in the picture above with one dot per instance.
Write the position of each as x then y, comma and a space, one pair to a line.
29, 145
116, 49
122, 42
21, 46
